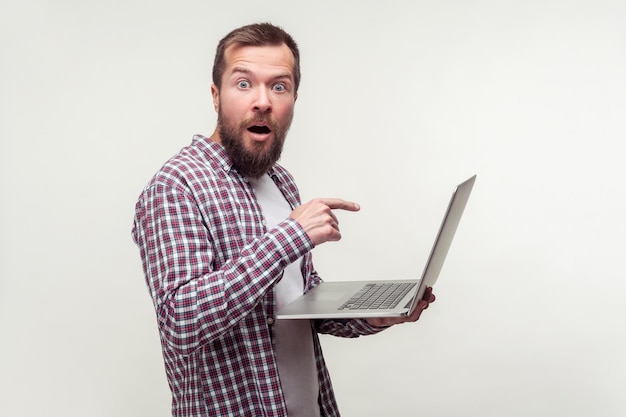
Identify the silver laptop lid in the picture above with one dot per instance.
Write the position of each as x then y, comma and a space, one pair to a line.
448, 227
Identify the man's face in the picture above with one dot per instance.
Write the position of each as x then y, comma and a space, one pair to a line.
255, 105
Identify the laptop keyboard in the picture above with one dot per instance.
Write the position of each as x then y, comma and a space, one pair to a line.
378, 296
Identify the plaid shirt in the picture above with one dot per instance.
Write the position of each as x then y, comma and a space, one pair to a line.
210, 265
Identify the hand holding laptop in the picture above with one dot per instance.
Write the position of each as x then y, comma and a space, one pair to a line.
422, 305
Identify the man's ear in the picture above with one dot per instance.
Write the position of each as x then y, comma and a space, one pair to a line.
215, 92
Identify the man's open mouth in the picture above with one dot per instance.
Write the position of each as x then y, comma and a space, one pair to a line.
259, 129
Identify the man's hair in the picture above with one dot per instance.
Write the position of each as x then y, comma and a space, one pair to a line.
257, 34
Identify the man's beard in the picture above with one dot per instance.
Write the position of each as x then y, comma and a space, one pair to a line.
257, 161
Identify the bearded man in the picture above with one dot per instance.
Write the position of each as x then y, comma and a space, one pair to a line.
225, 242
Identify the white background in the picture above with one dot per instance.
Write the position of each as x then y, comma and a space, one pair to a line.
399, 102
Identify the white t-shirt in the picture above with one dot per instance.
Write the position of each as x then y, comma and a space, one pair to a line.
293, 338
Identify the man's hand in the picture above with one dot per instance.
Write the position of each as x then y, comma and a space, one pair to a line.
318, 220
422, 305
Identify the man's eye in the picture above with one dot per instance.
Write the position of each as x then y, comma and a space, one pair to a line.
279, 87
243, 84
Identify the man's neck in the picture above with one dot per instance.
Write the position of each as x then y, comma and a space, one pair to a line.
215, 137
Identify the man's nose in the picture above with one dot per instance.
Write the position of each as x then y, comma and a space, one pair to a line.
262, 101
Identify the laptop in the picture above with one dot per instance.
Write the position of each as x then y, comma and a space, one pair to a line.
382, 298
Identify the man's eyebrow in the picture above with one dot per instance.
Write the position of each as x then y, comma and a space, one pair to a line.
287, 75
240, 70
246, 71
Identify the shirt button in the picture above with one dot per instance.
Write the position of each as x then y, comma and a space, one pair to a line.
270, 321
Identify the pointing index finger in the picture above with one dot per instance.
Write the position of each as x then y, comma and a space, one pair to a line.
339, 204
